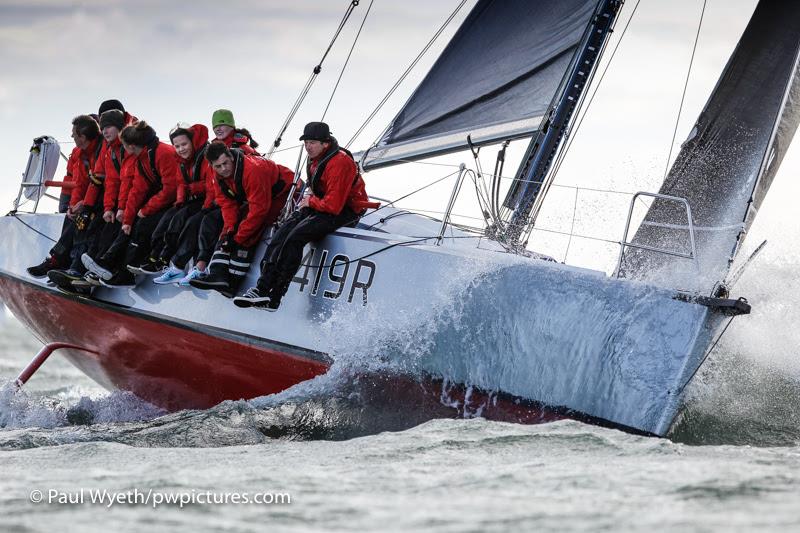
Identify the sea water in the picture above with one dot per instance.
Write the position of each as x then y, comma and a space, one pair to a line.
335, 454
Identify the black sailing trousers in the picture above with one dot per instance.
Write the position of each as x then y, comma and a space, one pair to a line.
131, 249
165, 238
285, 251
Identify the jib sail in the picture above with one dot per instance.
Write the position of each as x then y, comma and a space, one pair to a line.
730, 158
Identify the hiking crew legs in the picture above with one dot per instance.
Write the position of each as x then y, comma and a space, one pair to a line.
232, 264
167, 233
84, 240
185, 246
63, 246
139, 245
210, 228
107, 234
131, 249
285, 251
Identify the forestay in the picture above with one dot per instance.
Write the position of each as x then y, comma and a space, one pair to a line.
494, 81
730, 158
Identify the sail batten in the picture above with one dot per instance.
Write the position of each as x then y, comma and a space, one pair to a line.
494, 81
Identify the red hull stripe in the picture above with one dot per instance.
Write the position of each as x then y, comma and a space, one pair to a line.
172, 364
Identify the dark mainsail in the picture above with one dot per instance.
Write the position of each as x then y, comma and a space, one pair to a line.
494, 81
730, 158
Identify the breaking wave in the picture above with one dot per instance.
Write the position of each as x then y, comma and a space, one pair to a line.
748, 392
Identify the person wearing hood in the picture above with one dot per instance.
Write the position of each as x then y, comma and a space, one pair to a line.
250, 191
338, 198
226, 132
86, 133
153, 190
175, 240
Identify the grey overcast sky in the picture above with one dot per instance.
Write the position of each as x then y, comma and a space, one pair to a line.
178, 61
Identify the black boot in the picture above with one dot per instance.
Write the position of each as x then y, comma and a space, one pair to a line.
41, 270
122, 279
212, 280
253, 297
64, 278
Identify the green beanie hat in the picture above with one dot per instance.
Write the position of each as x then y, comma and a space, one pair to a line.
222, 117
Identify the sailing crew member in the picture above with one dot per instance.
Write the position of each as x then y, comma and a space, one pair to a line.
250, 191
89, 223
226, 132
175, 240
65, 196
152, 191
103, 228
86, 134
96, 185
339, 199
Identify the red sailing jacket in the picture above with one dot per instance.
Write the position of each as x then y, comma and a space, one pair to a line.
211, 192
81, 167
339, 185
74, 157
113, 162
93, 191
191, 186
126, 174
240, 141
144, 194
252, 209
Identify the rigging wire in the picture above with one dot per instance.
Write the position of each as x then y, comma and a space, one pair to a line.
685, 86
14, 215
403, 76
307, 87
344, 67
572, 227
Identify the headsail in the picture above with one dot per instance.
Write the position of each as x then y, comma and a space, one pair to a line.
733, 152
494, 80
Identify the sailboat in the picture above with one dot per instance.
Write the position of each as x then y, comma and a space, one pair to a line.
616, 349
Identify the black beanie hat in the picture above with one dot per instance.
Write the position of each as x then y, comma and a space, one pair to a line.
110, 104
112, 117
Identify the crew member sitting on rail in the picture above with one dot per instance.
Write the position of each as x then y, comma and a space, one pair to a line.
100, 199
175, 238
339, 199
116, 163
250, 191
152, 191
86, 133
121, 118
226, 132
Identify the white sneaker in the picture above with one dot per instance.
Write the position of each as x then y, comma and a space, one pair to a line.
171, 275
95, 267
194, 273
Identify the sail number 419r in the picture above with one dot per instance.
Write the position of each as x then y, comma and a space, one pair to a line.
336, 272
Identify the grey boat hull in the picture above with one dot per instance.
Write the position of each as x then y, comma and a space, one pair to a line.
462, 310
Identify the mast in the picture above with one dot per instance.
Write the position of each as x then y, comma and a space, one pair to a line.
532, 181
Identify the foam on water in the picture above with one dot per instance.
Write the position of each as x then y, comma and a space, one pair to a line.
20, 408
748, 392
